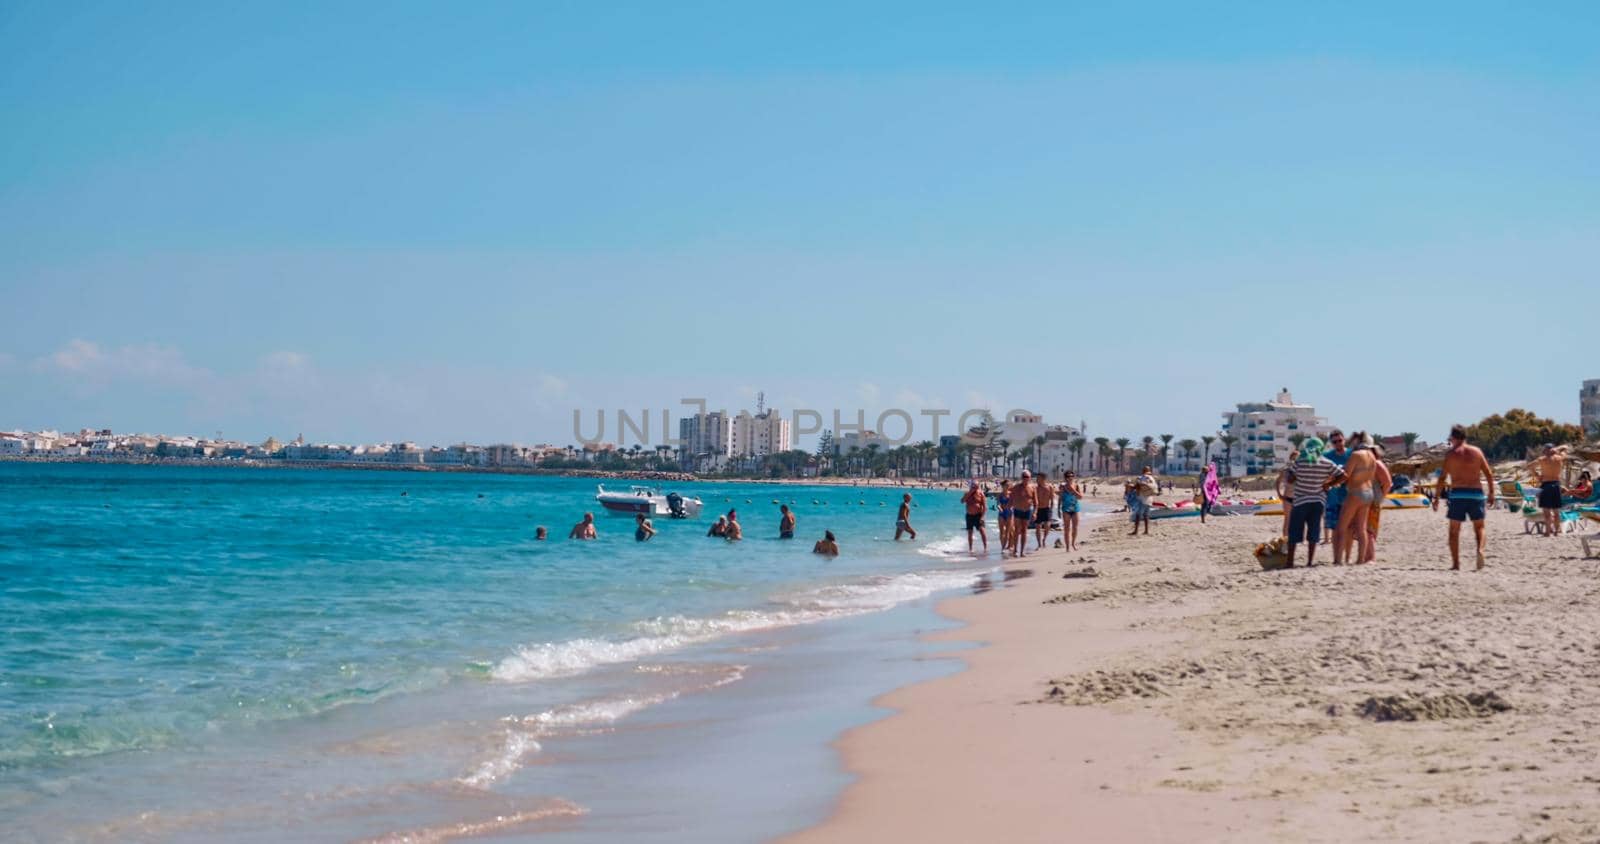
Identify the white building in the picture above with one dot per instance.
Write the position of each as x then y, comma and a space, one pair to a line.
760, 435
1266, 427
858, 441
707, 439
12, 446
1589, 407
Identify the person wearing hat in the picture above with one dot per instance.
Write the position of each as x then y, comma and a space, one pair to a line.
902, 519
977, 503
1547, 470
1021, 513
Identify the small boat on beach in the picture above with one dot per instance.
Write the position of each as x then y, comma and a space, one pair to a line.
649, 501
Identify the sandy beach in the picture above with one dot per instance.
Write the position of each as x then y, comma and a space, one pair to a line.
1184, 695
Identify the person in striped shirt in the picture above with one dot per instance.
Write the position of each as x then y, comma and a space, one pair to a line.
1312, 474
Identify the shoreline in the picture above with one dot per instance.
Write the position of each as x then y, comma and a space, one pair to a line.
1185, 695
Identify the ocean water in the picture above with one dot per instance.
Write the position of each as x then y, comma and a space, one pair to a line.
195, 653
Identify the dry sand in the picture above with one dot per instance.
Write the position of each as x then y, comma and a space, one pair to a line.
1186, 695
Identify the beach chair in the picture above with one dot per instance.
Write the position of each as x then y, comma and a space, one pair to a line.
1588, 539
1513, 495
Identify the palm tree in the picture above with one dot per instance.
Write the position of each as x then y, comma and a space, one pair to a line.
1076, 446
1038, 443
1149, 447
1103, 446
1188, 451
1265, 456
1297, 440
1227, 442
1410, 438
1122, 453
1208, 440
1166, 440
1004, 446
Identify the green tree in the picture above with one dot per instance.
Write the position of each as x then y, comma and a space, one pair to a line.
1510, 436
1208, 440
1188, 450
1122, 454
1103, 448
1410, 438
1166, 442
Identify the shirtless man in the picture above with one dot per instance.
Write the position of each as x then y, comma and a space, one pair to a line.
1463, 466
1547, 470
1021, 513
977, 507
902, 519
1044, 498
733, 531
584, 529
786, 522
1360, 471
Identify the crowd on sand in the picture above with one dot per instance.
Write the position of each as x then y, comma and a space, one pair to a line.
1335, 488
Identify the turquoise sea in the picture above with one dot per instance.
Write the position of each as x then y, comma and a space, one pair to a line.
262, 654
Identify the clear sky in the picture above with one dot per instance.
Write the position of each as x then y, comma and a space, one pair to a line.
439, 222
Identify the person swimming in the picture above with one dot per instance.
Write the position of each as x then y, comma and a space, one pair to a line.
642, 530
720, 528
827, 546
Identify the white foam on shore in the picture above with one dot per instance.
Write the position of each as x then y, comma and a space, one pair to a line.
522, 737
669, 633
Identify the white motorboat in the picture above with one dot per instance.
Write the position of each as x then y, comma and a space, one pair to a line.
649, 501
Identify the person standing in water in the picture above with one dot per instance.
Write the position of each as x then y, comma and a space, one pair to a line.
642, 529
786, 523
827, 546
584, 529
1071, 494
902, 519
720, 529
1463, 466
734, 531
977, 505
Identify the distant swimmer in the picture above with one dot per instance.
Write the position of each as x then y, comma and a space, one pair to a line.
827, 546
902, 520
540, 533
642, 528
1463, 466
720, 528
786, 524
584, 529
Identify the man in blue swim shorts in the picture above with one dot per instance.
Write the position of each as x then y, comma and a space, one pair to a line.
1464, 465
1339, 456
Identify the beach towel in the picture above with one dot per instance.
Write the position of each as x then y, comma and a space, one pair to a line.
1211, 488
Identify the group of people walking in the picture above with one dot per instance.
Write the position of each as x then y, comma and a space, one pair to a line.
1028, 504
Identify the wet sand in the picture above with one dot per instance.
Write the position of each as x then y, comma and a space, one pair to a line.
1186, 695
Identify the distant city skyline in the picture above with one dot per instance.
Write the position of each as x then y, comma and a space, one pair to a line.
466, 223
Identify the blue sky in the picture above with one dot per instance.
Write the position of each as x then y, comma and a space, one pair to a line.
413, 221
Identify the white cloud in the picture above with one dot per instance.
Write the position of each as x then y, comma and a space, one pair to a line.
869, 393
151, 362
550, 386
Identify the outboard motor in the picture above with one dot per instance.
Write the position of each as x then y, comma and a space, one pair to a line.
675, 506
